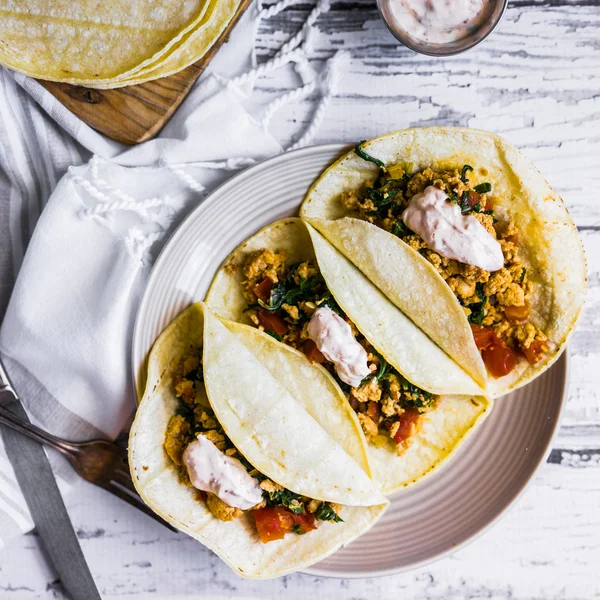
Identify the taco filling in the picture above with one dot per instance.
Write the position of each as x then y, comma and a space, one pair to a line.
452, 223
226, 482
293, 304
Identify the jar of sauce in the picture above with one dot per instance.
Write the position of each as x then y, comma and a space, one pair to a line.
439, 27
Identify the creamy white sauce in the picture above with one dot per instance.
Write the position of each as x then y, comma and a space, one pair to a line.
443, 228
212, 471
335, 340
440, 21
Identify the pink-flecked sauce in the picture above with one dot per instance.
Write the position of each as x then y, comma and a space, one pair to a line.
440, 21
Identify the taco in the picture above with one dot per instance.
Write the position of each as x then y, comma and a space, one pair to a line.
218, 449
463, 234
414, 403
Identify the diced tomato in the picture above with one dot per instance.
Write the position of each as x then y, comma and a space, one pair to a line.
312, 352
305, 522
535, 351
408, 420
474, 199
262, 290
499, 359
517, 313
272, 322
273, 523
354, 403
373, 411
484, 336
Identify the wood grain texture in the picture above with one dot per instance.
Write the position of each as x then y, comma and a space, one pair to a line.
136, 113
536, 81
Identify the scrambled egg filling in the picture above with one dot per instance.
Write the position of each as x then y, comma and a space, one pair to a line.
282, 300
195, 417
500, 300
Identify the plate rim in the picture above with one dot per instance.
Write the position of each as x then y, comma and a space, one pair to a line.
564, 361
138, 363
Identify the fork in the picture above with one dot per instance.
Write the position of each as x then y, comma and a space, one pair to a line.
98, 461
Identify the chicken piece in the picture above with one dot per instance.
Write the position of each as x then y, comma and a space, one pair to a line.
369, 426
218, 439
369, 391
350, 200
388, 406
512, 295
221, 510
270, 486
415, 242
487, 221
189, 364
292, 311
473, 273
461, 288
177, 438
186, 390
264, 263
206, 420
497, 282
525, 334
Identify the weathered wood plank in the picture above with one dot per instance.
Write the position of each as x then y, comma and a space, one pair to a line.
537, 82
547, 548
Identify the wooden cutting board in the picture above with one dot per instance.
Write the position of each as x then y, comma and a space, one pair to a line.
136, 113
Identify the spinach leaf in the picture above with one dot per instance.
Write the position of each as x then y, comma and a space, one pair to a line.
384, 368
463, 174
285, 498
360, 152
288, 292
400, 230
183, 410
325, 513
483, 188
418, 398
478, 309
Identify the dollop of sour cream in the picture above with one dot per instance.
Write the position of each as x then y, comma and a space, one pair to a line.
337, 343
224, 476
444, 228
440, 21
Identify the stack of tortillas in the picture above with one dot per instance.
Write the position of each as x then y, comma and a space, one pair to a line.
108, 44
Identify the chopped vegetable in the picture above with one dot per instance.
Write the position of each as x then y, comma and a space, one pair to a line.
373, 411
326, 513
262, 290
484, 336
463, 174
483, 188
408, 420
360, 152
312, 352
272, 523
499, 359
517, 313
272, 322
535, 351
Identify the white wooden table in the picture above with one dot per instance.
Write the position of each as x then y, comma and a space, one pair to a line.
537, 82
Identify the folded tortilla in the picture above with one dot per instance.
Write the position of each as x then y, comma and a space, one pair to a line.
107, 45
550, 246
269, 427
462, 405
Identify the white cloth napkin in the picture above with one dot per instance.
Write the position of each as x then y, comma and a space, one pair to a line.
66, 335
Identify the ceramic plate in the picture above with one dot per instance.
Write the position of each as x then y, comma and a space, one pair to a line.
448, 508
